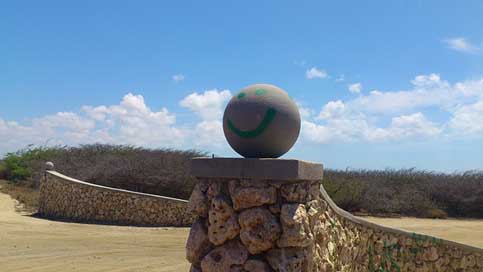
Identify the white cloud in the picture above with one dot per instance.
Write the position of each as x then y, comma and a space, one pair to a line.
398, 115
357, 127
401, 115
314, 73
130, 122
178, 77
468, 119
462, 45
355, 88
209, 106
333, 109
428, 90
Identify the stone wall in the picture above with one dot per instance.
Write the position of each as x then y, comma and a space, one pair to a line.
267, 225
63, 197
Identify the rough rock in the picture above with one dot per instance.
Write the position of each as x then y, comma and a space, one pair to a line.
431, 254
259, 229
223, 222
222, 258
198, 244
198, 202
295, 225
247, 197
213, 190
296, 192
64, 198
287, 259
194, 269
256, 266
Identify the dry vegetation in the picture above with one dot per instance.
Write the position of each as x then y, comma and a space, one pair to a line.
166, 172
407, 192
22, 192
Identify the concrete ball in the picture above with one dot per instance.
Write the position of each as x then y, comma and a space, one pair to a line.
261, 121
49, 166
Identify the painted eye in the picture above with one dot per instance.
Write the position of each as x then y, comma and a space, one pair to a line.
241, 95
260, 92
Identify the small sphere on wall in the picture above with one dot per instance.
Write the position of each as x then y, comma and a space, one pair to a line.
49, 166
261, 121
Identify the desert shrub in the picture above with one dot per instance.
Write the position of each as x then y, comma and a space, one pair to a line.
407, 192
166, 172
3, 170
157, 171
344, 190
23, 192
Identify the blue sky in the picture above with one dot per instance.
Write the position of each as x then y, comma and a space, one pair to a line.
379, 85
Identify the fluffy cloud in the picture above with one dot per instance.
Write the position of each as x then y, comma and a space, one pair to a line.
462, 45
427, 91
398, 115
355, 88
314, 73
351, 128
130, 122
378, 116
468, 119
209, 107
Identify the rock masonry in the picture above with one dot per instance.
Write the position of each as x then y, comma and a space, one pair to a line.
62, 197
264, 225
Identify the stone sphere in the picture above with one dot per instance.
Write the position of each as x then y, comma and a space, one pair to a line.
49, 166
261, 121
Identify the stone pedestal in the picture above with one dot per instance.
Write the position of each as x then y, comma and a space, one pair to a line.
255, 215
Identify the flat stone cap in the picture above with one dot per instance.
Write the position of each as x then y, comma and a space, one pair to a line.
271, 169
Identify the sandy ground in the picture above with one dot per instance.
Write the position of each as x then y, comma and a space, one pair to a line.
32, 244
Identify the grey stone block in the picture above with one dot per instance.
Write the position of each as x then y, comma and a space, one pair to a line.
270, 169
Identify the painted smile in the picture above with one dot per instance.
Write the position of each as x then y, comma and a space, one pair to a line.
269, 116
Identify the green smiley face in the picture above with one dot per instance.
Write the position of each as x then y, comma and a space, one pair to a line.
267, 119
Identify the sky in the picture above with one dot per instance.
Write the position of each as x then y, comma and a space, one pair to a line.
379, 84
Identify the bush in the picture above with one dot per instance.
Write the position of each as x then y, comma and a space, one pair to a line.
3, 170
156, 171
16, 167
407, 192
166, 172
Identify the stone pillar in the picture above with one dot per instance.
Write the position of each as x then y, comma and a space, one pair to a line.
255, 215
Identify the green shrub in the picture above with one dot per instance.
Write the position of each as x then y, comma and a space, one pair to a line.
3, 170
20, 165
16, 167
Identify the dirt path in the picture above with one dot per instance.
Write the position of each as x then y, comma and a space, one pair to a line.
32, 244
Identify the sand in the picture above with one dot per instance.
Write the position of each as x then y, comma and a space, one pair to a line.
33, 244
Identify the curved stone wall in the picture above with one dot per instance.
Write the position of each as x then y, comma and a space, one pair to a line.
272, 225
354, 244
63, 197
